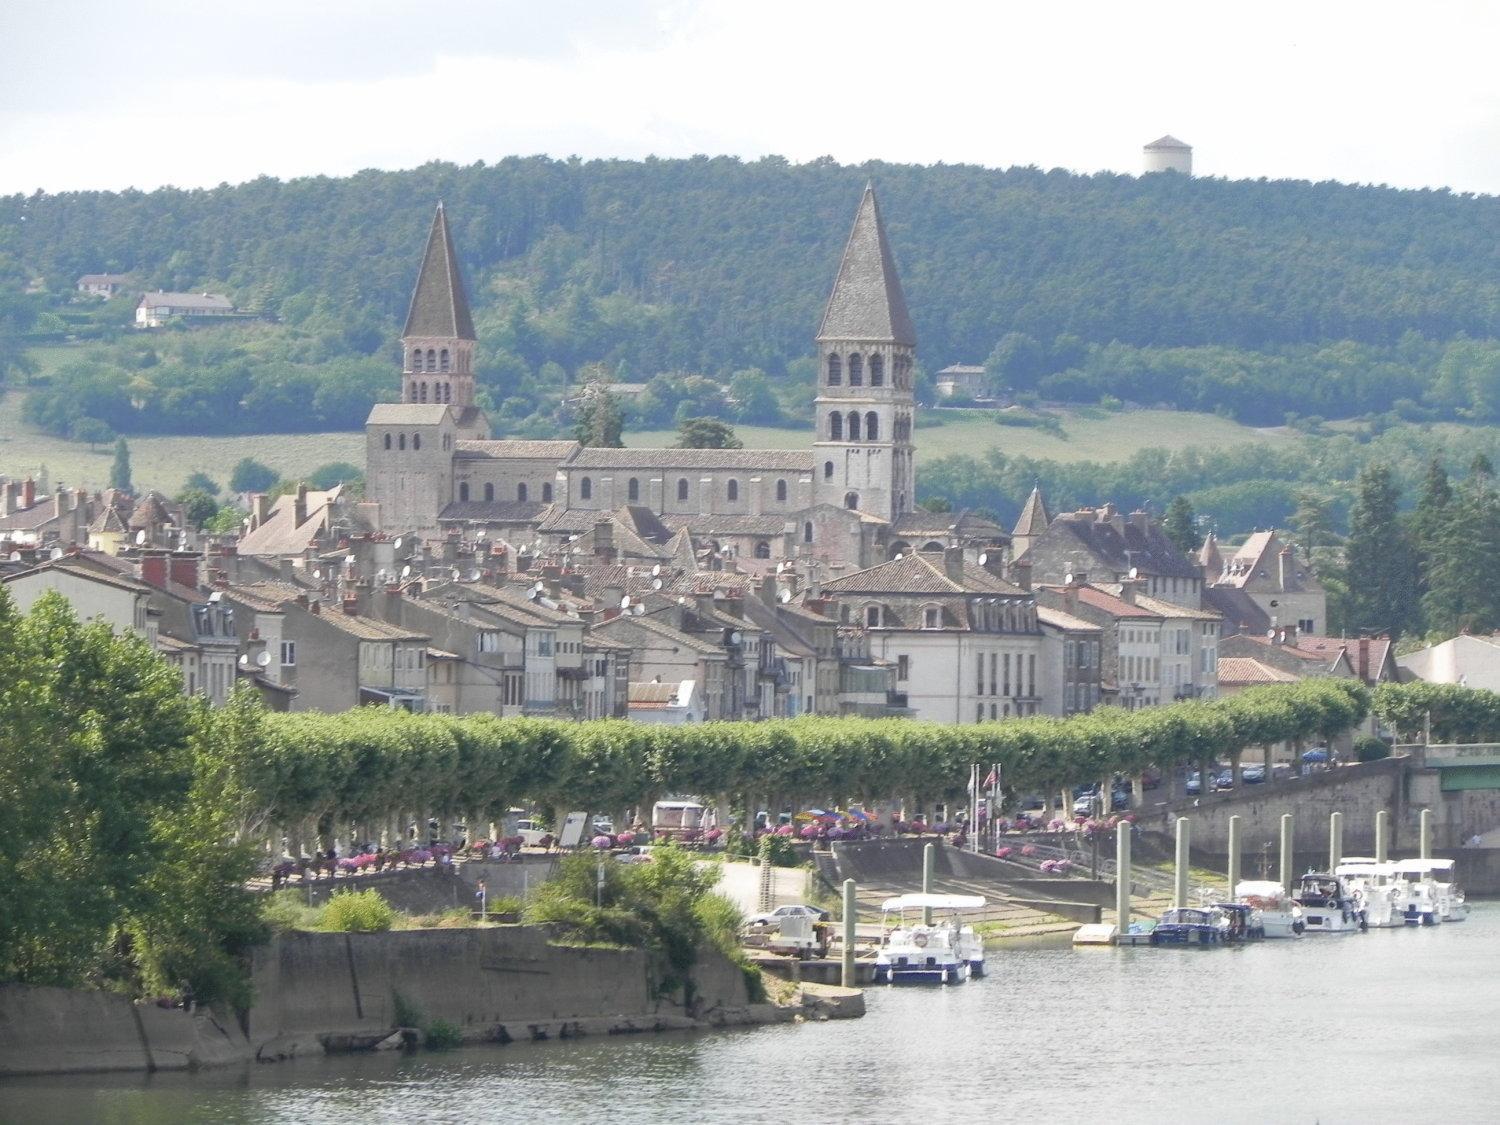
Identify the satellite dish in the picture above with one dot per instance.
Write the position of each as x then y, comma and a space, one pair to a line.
1134, 573
577, 550
264, 659
405, 572
656, 570
681, 600
638, 609
734, 637
984, 557
656, 583
245, 660
317, 574
216, 597
900, 555
140, 537
474, 575
625, 602
538, 588
380, 575
573, 613
1068, 579
531, 595
784, 597
1270, 634
396, 546
456, 574
479, 534
779, 567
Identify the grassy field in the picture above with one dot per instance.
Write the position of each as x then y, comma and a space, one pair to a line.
1110, 437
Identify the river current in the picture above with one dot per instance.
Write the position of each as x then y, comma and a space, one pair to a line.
1386, 1026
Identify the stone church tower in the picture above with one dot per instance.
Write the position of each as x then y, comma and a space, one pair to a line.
409, 445
863, 453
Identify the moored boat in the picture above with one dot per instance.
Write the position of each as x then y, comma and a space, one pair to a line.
945, 951
1272, 909
1328, 904
1375, 889
1191, 925
1429, 893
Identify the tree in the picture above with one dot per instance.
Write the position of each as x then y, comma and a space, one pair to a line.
91, 430
198, 507
249, 475
334, 473
706, 433
1310, 521
599, 420
1180, 526
203, 483
755, 401
119, 472
226, 521
1381, 571
1016, 363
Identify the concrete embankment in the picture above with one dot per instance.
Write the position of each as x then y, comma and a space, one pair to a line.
322, 992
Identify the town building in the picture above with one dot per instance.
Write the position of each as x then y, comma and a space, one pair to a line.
157, 309
1471, 661
104, 285
1262, 585
1168, 154
962, 380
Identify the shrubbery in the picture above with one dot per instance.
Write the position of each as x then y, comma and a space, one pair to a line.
361, 912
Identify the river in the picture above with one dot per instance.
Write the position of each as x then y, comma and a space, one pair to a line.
1385, 1026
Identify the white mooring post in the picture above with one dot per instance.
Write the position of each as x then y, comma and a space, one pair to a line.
929, 855
1335, 840
1287, 860
1233, 866
1122, 879
1382, 836
847, 975
1426, 833
1184, 835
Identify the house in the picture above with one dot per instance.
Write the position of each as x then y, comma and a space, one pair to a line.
159, 308
1472, 661
1075, 659
962, 380
1264, 572
104, 285
667, 703
1111, 547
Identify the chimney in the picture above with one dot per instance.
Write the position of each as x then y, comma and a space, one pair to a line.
768, 591
154, 568
300, 505
184, 569
734, 605
260, 509
28, 493
1021, 573
1141, 520
953, 564
604, 540
523, 561
1283, 567
390, 603
350, 604
315, 608
1129, 589
7, 498
1364, 656
1070, 597
288, 569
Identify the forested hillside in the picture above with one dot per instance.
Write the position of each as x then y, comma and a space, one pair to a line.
1254, 298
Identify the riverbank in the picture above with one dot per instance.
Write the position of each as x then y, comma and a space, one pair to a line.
321, 993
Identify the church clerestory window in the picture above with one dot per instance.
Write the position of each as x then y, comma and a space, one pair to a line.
732, 490
416, 441
521, 492
835, 426
401, 441
387, 441
633, 489
872, 426
422, 393
443, 360
827, 470
431, 359
851, 500
762, 550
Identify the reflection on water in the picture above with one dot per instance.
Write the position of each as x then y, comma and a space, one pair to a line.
1383, 1025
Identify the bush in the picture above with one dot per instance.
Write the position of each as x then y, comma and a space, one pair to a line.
441, 1035
359, 912
1371, 749
288, 910
778, 851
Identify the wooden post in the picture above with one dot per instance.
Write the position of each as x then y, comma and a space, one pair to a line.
1122, 879
1287, 859
1184, 836
849, 918
1382, 836
1233, 871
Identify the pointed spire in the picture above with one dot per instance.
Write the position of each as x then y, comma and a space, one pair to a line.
439, 306
1209, 557
867, 303
1034, 518
680, 548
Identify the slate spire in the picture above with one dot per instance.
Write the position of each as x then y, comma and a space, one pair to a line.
867, 303
439, 306
1034, 517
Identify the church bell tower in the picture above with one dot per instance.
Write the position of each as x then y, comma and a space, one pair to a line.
438, 341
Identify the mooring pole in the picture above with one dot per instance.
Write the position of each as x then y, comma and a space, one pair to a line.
848, 973
1335, 840
1426, 834
1233, 866
1122, 878
929, 854
1286, 852
1184, 835
1382, 836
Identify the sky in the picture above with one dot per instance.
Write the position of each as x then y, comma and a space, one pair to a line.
108, 94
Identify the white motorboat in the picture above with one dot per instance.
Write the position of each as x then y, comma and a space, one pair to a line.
1430, 895
1328, 904
1272, 910
1376, 888
944, 950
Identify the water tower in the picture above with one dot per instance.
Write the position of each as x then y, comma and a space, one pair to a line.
1168, 154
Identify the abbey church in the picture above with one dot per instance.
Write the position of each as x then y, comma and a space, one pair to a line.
434, 467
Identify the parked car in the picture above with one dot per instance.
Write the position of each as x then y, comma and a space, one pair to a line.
1119, 797
1253, 775
774, 917
1224, 779
1192, 787
531, 832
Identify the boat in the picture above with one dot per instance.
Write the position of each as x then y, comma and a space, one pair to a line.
1191, 925
1242, 922
1376, 889
945, 951
1430, 895
1328, 904
1272, 909
1452, 905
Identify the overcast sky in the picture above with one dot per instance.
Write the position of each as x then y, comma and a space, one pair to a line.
117, 93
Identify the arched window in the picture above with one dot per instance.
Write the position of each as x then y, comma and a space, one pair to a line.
853, 425
682, 488
521, 493
387, 441
633, 489
489, 493
422, 392
415, 362
877, 371
547, 493
585, 489
400, 441
856, 370
781, 492
872, 426
411, 395
835, 370
851, 500
463, 491
872, 616
447, 392
932, 545
416, 441
835, 426
807, 532
431, 359
443, 360
763, 550
732, 490
828, 467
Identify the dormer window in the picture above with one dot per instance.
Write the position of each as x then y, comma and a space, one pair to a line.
932, 617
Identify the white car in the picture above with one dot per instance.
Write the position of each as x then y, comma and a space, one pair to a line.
531, 832
774, 917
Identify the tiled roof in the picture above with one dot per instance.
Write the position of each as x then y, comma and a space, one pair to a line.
1060, 620
1034, 518
1236, 670
407, 414
962, 369
369, 628
281, 534
208, 302
652, 694
1099, 599
439, 306
1121, 547
1172, 610
1376, 649
688, 460
720, 524
70, 564
508, 447
1237, 608
867, 303
42, 512
504, 511
919, 574
664, 631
